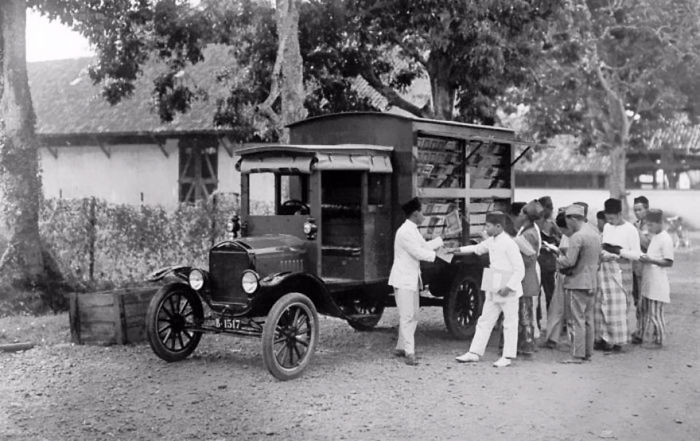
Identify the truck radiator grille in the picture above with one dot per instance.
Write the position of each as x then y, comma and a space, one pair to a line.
225, 268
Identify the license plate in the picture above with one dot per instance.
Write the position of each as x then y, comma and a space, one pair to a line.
227, 323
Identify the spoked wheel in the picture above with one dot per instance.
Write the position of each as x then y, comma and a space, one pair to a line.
289, 336
172, 314
365, 313
462, 307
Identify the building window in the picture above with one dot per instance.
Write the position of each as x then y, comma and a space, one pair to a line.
198, 169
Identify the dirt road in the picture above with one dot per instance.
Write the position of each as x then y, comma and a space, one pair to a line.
355, 389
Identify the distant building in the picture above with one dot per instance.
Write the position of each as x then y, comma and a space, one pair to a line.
671, 160
124, 153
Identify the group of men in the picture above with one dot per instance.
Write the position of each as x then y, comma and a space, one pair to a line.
595, 280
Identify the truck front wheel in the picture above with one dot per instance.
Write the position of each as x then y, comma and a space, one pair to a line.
462, 307
289, 336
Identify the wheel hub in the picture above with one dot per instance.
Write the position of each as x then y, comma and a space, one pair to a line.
177, 322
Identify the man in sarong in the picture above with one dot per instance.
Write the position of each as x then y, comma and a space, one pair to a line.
614, 294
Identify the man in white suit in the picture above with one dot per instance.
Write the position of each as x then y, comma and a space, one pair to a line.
409, 249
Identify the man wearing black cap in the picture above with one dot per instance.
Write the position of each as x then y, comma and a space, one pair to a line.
409, 249
615, 292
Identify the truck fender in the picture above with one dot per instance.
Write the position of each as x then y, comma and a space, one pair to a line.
277, 285
175, 273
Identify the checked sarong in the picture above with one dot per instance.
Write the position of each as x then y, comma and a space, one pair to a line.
611, 305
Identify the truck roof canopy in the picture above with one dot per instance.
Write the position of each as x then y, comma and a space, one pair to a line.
285, 158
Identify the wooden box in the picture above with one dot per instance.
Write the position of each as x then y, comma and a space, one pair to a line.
110, 317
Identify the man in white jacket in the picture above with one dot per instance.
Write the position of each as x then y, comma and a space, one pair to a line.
409, 249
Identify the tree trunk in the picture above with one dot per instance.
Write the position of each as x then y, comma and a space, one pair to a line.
22, 263
439, 66
292, 72
618, 159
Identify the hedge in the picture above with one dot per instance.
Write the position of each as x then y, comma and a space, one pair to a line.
101, 245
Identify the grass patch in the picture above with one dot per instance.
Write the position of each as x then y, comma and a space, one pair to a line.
43, 330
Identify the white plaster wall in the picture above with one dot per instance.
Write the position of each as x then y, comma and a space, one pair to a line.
130, 171
229, 178
685, 203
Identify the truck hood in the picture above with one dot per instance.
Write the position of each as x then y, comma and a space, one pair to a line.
272, 243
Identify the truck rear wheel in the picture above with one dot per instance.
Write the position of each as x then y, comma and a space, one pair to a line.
365, 313
462, 307
289, 336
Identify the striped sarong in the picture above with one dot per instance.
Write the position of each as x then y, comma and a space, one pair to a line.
627, 269
652, 320
611, 305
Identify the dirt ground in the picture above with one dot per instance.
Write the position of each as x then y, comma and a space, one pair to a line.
355, 390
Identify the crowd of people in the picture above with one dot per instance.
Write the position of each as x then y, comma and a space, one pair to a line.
604, 286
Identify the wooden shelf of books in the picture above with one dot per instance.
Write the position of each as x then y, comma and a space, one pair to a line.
459, 182
488, 165
440, 173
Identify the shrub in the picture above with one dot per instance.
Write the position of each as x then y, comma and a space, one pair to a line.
99, 245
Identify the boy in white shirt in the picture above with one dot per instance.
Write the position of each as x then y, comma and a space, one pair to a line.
655, 290
504, 257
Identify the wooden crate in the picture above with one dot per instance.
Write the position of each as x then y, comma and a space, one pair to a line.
110, 317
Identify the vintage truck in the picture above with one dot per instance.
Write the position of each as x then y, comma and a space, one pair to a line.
327, 245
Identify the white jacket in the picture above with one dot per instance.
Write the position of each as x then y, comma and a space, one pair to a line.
409, 249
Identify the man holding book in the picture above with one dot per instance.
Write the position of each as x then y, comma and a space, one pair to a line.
502, 283
580, 284
409, 249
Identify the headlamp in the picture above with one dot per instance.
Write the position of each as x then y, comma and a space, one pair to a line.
250, 281
196, 279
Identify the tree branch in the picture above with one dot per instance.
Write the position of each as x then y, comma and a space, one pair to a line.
265, 108
390, 94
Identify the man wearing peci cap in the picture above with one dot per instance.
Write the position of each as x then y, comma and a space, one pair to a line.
507, 266
409, 249
581, 260
614, 296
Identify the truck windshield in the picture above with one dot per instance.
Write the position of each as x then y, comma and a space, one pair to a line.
278, 194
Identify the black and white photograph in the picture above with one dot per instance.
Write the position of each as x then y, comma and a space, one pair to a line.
371, 220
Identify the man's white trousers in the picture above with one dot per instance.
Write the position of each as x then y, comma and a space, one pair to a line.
407, 302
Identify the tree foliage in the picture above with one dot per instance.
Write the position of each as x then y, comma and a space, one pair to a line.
616, 71
470, 51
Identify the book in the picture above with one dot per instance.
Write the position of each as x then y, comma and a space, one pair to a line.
454, 224
493, 280
441, 254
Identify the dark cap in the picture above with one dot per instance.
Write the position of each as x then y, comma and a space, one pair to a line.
600, 215
496, 218
533, 210
655, 215
411, 206
613, 206
642, 200
546, 202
